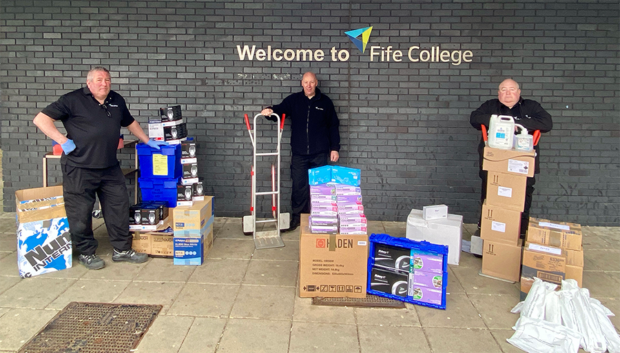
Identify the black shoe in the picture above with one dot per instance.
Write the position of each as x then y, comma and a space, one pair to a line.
129, 256
92, 262
294, 225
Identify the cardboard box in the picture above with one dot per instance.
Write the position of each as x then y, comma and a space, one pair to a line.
434, 212
513, 162
141, 242
447, 231
545, 262
574, 265
501, 260
390, 282
162, 244
500, 224
191, 251
43, 238
332, 265
555, 234
506, 190
193, 217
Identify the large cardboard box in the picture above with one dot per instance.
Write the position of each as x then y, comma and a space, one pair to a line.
501, 260
574, 265
545, 262
193, 217
332, 265
513, 162
506, 190
556, 234
141, 242
500, 224
446, 231
162, 244
43, 238
192, 250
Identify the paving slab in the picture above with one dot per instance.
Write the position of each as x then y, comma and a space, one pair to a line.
602, 260
473, 283
8, 265
387, 317
306, 312
232, 228
460, 312
75, 272
113, 271
595, 242
91, 291
163, 270
272, 273
501, 336
454, 286
161, 293
376, 227
468, 260
204, 335
602, 284
34, 293
264, 302
231, 249
495, 309
261, 336
165, 335
17, 326
211, 300
315, 337
4, 311
290, 252
8, 242
461, 340
393, 339
6, 282
226, 271
395, 229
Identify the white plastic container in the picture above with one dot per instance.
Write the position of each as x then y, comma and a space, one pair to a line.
523, 141
501, 132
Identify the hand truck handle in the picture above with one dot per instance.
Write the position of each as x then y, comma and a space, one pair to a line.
282, 122
247, 122
484, 133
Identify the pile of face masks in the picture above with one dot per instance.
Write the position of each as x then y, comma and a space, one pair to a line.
561, 321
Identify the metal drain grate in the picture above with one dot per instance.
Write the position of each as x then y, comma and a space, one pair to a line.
371, 301
94, 328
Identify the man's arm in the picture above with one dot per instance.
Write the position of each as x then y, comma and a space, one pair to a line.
481, 116
535, 117
47, 126
137, 131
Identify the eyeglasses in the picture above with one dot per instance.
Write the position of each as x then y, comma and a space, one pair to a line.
106, 109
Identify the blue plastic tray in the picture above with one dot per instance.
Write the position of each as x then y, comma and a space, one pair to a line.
172, 168
159, 190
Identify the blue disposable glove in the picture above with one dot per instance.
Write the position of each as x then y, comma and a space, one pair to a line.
68, 146
155, 144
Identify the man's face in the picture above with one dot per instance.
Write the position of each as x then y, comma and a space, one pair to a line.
309, 82
509, 93
99, 85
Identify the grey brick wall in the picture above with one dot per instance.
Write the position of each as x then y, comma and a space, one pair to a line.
404, 124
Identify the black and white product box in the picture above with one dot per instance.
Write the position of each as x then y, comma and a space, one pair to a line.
190, 174
392, 257
185, 194
396, 283
170, 113
188, 148
148, 213
198, 191
170, 131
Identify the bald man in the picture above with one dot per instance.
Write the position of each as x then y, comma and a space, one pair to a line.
525, 112
315, 139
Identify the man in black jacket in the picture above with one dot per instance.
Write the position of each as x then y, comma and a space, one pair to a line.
315, 139
525, 112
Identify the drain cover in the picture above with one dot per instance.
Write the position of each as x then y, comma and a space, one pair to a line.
94, 328
371, 301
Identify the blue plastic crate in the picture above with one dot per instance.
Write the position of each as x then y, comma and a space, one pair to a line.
164, 190
161, 164
416, 247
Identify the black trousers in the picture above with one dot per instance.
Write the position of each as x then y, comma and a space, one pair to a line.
300, 198
80, 188
529, 191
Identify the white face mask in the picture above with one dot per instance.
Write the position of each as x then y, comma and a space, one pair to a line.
151, 218
188, 194
192, 151
137, 216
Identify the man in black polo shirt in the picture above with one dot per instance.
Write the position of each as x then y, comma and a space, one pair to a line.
93, 117
315, 139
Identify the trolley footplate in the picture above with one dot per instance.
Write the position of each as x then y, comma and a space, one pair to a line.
268, 239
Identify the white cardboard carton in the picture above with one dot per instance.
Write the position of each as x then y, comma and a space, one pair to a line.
445, 231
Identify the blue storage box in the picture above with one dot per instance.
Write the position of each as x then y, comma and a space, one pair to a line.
164, 190
162, 164
429, 261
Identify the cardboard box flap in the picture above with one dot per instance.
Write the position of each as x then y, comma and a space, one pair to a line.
574, 258
496, 155
28, 199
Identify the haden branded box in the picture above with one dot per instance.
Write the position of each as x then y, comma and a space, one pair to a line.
332, 265
500, 224
556, 234
194, 216
506, 190
501, 260
513, 162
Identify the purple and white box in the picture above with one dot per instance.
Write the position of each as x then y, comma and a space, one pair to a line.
350, 212
353, 229
322, 190
357, 218
350, 206
425, 294
428, 279
316, 220
349, 198
323, 203
427, 263
342, 189
353, 222
319, 197
324, 229
324, 211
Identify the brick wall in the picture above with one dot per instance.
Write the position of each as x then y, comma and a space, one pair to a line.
404, 124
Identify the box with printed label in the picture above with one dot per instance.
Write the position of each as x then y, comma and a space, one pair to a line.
545, 262
344, 175
574, 265
506, 190
428, 279
171, 113
390, 282
557, 234
320, 175
331, 265
191, 251
43, 238
141, 242
392, 257
162, 244
509, 161
446, 231
501, 260
500, 224
434, 212
193, 217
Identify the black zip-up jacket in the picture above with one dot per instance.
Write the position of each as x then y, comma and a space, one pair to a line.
314, 123
526, 112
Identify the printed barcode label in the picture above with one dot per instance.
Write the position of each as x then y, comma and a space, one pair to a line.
498, 226
504, 191
549, 277
516, 166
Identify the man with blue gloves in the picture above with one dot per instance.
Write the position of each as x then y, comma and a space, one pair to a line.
93, 117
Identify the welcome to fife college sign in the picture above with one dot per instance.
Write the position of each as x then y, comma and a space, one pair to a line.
381, 54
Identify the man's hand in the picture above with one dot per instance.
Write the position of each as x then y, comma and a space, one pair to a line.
334, 156
68, 146
155, 144
266, 112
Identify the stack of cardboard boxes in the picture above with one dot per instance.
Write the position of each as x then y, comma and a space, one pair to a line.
500, 224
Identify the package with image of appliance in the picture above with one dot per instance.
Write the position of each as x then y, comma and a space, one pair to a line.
390, 282
392, 257
198, 192
185, 194
188, 151
428, 279
190, 173
171, 113
427, 262
427, 295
